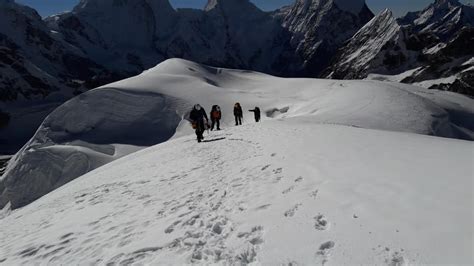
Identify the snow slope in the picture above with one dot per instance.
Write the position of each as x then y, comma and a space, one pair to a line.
107, 123
285, 191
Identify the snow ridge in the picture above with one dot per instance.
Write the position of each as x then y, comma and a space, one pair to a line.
115, 120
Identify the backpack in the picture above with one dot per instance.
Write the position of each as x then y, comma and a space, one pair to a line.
216, 112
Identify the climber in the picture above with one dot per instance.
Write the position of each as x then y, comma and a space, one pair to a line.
216, 116
199, 121
256, 112
238, 114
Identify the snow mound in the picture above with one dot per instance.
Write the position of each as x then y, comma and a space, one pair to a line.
337, 195
107, 123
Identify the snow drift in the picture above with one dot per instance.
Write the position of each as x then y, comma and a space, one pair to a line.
117, 119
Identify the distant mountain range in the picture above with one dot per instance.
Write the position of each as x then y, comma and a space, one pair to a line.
45, 62
430, 47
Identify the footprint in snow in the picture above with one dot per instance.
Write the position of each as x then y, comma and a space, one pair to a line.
263, 207
134, 257
396, 259
299, 179
291, 212
278, 170
325, 247
325, 250
255, 236
191, 221
170, 228
321, 222
278, 179
288, 190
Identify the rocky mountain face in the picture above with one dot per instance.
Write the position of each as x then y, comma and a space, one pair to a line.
318, 28
116, 34
443, 18
430, 48
38, 71
136, 35
377, 45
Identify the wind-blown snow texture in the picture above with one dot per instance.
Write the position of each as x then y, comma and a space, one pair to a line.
336, 195
117, 119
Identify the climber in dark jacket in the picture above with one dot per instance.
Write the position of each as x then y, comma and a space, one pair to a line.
216, 116
256, 112
238, 113
199, 121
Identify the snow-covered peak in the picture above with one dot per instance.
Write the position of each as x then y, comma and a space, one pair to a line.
442, 18
353, 6
385, 16
383, 25
320, 27
366, 48
229, 5
104, 6
446, 3
304, 13
211, 4
434, 13
19, 9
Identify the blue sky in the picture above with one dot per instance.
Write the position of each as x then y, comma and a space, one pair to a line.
399, 7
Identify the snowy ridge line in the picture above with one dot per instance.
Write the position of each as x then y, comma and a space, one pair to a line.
54, 59
107, 123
